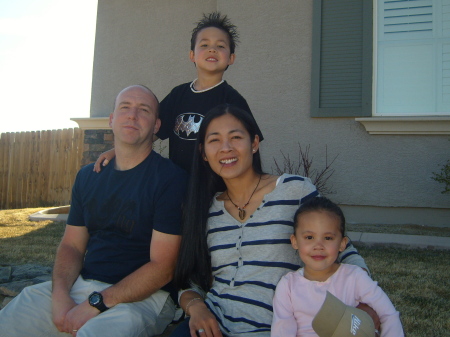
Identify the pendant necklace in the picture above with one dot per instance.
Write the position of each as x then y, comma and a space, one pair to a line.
242, 210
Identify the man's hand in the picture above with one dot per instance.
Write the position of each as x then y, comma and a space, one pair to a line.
60, 308
68, 263
78, 316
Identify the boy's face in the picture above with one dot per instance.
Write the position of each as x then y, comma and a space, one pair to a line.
212, 51
318, 239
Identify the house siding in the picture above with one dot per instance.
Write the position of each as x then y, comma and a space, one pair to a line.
147, 42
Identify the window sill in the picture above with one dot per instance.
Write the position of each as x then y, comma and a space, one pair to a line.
406, 125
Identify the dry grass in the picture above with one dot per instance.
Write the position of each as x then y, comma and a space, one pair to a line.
416, 280
23, 241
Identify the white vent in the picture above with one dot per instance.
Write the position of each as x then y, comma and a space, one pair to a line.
411, 17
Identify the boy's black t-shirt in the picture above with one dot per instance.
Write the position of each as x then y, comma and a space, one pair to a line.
182, 112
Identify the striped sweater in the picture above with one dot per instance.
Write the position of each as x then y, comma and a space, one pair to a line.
249, 259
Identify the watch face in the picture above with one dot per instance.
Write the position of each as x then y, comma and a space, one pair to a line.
94, 299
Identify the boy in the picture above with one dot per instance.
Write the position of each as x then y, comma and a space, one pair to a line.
213, 43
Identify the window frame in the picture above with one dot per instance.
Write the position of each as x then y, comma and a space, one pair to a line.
431, 125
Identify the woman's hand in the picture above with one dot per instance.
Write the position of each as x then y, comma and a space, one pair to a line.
203, 323
104, 159
372, 314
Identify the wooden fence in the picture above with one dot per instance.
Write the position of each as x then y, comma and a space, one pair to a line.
37, 169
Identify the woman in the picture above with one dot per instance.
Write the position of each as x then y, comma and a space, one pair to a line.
238, 221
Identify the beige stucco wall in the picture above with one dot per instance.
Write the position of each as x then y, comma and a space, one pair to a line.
147, 41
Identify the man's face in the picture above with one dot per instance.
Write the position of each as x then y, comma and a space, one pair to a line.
134, 120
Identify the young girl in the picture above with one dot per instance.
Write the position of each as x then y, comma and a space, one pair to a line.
319, 237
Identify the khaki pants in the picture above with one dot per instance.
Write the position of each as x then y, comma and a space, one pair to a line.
30, 314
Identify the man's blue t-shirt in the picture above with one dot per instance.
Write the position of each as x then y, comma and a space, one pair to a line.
121, 208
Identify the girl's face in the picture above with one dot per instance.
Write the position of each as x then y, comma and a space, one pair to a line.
228, 148
319, 240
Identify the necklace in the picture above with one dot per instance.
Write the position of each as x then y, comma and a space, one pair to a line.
200, 91
242, 210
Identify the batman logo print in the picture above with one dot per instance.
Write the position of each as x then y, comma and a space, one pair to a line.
187, 125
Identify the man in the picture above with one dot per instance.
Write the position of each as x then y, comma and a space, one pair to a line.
120, 244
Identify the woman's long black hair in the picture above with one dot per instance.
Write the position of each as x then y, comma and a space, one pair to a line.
194, 262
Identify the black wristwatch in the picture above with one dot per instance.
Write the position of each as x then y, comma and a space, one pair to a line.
96, 300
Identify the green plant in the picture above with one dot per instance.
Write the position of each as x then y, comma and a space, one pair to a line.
443, 177
304, 168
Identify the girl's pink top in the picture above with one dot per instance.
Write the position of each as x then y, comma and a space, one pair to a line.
297, 300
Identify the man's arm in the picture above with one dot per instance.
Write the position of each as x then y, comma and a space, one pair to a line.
138, 285
68, 264
150, 277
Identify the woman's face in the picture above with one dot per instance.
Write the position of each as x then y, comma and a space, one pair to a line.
228, 148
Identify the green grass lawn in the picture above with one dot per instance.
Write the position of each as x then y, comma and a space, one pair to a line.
416, 280
418, 283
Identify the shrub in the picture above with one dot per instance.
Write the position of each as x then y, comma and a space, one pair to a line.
304, 168
443, 177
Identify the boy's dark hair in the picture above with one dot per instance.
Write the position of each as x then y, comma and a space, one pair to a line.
321, 204
215, 19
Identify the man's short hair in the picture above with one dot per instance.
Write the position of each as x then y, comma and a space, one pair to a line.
145, 88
